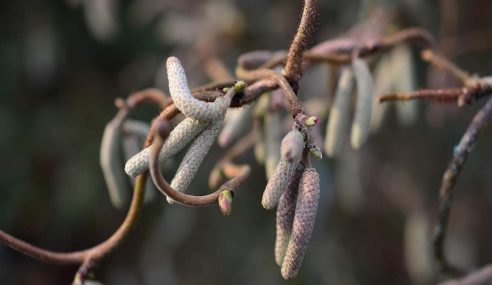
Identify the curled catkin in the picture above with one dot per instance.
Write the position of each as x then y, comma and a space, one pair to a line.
404, 81
184, 100
285, 214
179, 137
194, 157
111, 164
277, 183
292, 146
365, 90
339, 114
302, 228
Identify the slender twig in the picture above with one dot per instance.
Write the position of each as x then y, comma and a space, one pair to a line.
304, 34
290, 95
461, 96
95, 253
445, 64
340, 51
460, 154
88, 257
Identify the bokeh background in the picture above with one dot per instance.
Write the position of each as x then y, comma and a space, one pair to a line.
63, 63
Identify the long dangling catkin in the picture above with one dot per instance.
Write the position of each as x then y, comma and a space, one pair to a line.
184, 100
383, 82
404, 81
194, 157
285, 214
338, 122
236, 123
179, 137
302, 228
277, 183
272, 135
111, 164
292, 146
362, 119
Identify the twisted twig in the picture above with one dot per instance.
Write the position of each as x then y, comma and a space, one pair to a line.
460, 154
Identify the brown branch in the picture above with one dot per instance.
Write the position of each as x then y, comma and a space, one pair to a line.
441, 62
460, 154
88, 257
95, 253
290, 95
461, 96
304, 34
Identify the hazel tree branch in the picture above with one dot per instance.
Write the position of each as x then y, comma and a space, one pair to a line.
293, 68
446, 193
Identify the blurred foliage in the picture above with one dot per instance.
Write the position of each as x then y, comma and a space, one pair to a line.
62, 65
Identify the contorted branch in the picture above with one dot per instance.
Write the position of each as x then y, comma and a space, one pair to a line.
304, 34
461, 152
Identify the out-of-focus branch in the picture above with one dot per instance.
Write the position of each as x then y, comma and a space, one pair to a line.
461, 96
482, 276
460, 154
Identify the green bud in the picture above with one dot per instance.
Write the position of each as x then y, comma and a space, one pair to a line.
311, 121
239, 86
316, 153
225, 202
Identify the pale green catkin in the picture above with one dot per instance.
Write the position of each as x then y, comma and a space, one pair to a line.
236, 123
285, 214
111, 164
292, 146
277, 183
365, 92
184, 100
272, 134
179, 137
404, 81
338, 122
302, 228
194, 156
383, 82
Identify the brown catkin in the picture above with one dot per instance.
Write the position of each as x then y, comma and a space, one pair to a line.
302, 228
292, 146
285, 214
277, 183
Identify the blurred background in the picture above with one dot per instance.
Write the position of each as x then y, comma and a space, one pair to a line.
63, 63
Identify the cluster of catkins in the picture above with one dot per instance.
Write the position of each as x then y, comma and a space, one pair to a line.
295, 188
202, 124
393, 73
